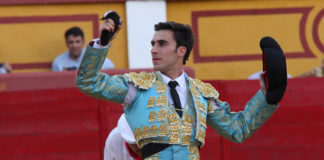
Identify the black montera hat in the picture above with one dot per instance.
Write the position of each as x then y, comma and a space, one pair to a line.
274, 64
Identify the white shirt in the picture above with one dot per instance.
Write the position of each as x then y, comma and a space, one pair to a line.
3, 70
64, 61
256, 75
115, 148
181, 88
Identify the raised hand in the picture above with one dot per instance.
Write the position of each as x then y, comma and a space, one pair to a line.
110, 27
274, 66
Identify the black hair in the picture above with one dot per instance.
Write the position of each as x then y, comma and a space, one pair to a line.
75, 31
182, 34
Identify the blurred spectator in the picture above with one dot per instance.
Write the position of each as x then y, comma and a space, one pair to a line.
316, 72
256, 75
70, 60
5, 68
121, 143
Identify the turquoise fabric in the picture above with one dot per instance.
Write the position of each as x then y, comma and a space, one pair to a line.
175, 152
238, 126
138, 115
235, 126
96, 84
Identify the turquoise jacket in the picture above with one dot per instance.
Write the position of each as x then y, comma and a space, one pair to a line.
152, 119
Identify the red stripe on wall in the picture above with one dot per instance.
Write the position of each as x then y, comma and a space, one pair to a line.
43, 65
20, 2
315, 30
248, 56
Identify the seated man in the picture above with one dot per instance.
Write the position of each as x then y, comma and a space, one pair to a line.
5, 68
121, 144
316, 72
70, 60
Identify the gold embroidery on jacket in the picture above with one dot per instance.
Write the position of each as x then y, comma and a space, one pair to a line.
146, 132
206, 89
151, 102
195, 92
202, 120
194, 153
201, 106
142, 80
210, 108
201, 135
172, 118
186, 129
152, 116
154, 130
161, 88
174, 138
187, 119
139, 134
177, 131
186, 139
162, 115
161, 101
163, 129
174, 128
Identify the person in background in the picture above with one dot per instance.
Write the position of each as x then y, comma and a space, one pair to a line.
121, 143
5, 68
256, 76
316, 72
70, 60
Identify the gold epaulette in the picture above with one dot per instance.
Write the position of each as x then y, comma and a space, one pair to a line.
142, 80
206, 89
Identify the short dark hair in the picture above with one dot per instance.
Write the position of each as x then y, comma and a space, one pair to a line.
75, 31
182, 34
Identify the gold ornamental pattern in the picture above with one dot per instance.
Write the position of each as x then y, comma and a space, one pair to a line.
161, 88
161, 101
151, 102
142, 80
206, 89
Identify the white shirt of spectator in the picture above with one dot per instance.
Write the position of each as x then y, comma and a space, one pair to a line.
64, 61
256, 75
2, 70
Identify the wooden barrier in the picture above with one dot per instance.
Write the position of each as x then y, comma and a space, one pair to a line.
43, 116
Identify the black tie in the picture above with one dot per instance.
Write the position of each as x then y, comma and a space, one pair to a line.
175, 97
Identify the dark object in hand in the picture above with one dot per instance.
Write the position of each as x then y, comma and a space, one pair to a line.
71, 68
105, 34
274, 65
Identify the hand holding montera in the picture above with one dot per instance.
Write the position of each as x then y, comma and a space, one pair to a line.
110, 27
274, 79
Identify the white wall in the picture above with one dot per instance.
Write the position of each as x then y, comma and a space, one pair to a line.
141, 17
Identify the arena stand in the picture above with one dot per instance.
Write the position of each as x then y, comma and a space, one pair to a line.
43, 116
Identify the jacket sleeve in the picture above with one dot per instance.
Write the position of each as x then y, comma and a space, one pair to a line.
238, 126
99, 85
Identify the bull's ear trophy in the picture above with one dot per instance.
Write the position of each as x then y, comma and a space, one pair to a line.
105, 34
274, 66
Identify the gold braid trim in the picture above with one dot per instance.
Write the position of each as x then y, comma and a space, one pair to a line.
206, 89
142, 80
